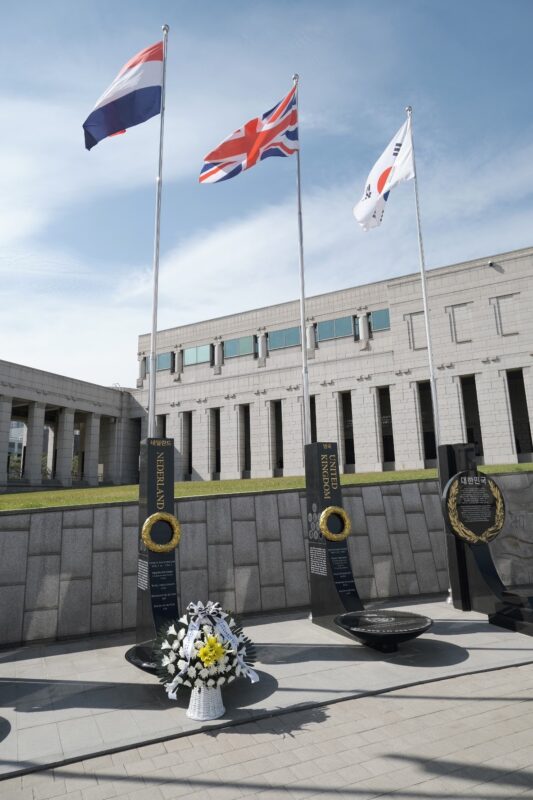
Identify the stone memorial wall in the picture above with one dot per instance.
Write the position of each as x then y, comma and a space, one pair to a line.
73, 572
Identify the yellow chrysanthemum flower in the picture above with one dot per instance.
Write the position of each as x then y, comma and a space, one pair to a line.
211, 652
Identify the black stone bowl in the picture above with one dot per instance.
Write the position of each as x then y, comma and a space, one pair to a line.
383, 630
141, 656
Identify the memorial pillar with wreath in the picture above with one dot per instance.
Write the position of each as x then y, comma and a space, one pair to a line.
474, 511
333, 588
335, 603
159, 535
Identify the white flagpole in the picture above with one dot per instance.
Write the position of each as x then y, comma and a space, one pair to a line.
159, 183
432, 380
305, 374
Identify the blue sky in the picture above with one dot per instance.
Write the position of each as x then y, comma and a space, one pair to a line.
76, 228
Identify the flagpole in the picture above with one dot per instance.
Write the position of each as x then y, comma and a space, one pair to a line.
159, 183
432, 380
305, 374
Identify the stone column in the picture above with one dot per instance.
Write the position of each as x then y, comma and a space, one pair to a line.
495, 417
50, 449
5, 422
310, 340
65, 446
450, 403
293, 438
218, 356
144, 426
364, 332
260, 438
408, 450
142, 368
327, 423
34, 444
527, 372
261, 349
178, 363
111, 436
366, 429
174, 431
92, 449
230, 441
340, 426
200, 444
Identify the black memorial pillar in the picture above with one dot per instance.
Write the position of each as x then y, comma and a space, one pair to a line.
333, 588
159, 534
454, 458
335, 603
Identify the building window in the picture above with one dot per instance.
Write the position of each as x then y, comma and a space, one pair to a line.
347, 429
471, 413
425, 402
312, 406
244, 346
197, 355
506, 312
276, 424
165, 361
245, 450
334, 328
519, 413
214, 443
379, 320
460, 322
187, 444
290, 337
387, 434
416, 327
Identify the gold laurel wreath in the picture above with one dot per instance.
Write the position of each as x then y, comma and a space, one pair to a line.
323, 524
465, 533
146, 533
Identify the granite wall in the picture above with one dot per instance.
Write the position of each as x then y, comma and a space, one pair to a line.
73, 572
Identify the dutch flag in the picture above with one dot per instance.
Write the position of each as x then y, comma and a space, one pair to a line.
132, 98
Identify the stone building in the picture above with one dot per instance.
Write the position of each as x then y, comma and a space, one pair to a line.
229, 390
73, 431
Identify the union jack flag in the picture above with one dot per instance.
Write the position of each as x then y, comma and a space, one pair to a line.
273, 134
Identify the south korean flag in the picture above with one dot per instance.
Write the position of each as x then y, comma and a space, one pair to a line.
393, 166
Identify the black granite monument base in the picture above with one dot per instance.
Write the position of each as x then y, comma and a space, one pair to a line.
140, 655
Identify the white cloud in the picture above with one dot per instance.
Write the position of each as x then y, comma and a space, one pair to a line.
254, 260
62, 314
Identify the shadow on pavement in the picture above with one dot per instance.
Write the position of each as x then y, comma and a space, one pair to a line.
5, 728
28, 695
422, 652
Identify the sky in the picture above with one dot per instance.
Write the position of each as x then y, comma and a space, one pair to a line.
76, 227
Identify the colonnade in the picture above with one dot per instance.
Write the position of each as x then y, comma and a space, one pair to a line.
62, 424
212, 441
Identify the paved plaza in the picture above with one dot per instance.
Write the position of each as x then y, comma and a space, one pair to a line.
448, 716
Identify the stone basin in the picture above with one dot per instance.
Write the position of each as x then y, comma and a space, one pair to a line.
382, 629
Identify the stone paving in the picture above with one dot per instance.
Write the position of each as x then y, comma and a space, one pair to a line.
464, 737
451, 731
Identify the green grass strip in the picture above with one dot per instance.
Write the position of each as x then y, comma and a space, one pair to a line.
57, 498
